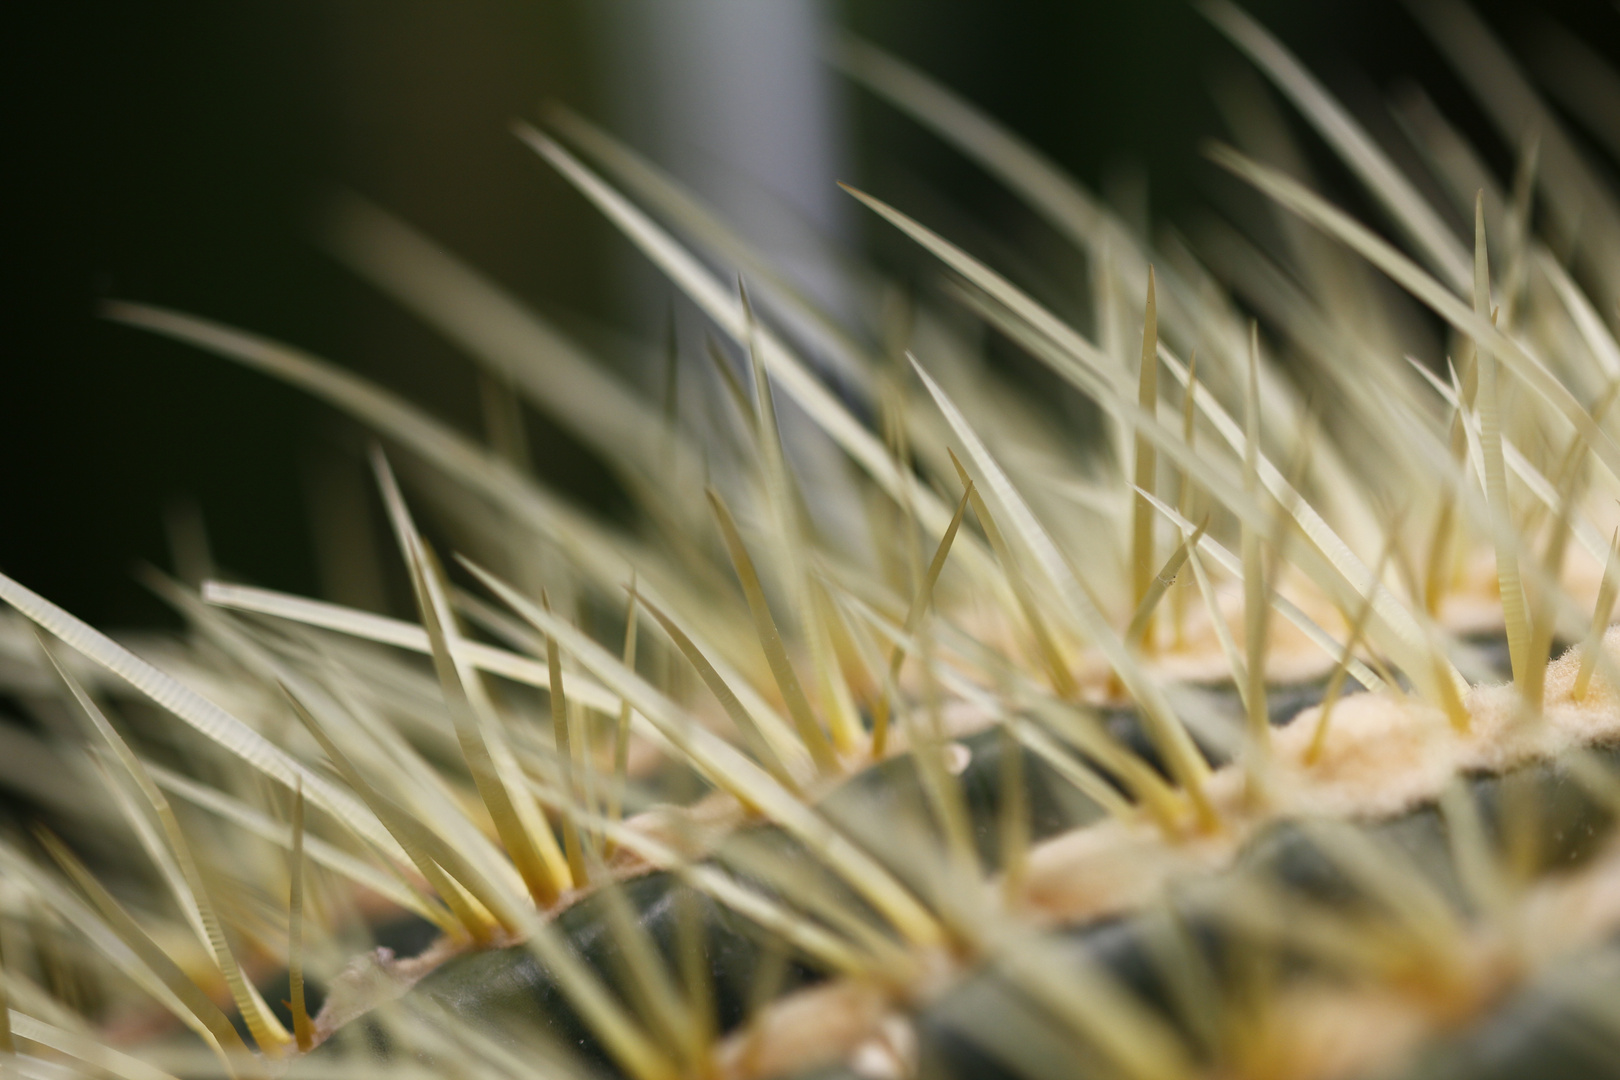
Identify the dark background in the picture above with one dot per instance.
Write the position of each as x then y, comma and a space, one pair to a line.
177, 153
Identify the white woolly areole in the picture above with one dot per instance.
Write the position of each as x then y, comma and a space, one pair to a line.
1383, 755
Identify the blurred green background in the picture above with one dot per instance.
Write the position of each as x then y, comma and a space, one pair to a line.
178, 153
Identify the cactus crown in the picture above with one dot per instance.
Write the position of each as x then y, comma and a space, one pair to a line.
903, 731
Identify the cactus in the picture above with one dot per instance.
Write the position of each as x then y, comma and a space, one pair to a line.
997, 751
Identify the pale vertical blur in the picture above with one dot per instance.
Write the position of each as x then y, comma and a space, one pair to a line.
732, 98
